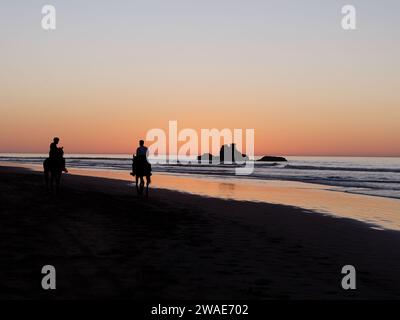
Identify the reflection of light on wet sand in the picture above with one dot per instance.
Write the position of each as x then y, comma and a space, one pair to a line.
384, 212
227, 188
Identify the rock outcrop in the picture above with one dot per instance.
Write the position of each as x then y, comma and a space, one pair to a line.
272, 159
229, 154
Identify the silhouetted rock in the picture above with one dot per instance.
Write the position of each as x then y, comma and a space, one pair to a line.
207, 158
272, 159
229, 154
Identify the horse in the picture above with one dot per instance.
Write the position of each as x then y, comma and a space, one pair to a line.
141, 169
52, 172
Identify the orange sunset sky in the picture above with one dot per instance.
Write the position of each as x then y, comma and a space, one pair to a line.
112, 71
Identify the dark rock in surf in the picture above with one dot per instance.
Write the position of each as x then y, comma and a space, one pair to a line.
229, 154
272, 159
207, 158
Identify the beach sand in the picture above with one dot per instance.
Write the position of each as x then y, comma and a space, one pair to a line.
107, 243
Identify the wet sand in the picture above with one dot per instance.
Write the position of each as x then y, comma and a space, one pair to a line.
107, 243
380, 212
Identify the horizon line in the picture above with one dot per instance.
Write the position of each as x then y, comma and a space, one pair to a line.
256, 155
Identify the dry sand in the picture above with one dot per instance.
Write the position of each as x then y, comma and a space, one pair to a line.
107, 243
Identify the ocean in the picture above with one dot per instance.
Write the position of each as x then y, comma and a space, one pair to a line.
363, 175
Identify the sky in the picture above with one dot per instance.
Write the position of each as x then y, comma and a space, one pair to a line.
112, 70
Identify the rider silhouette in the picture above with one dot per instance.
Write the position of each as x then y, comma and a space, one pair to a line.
141, 150
57, 153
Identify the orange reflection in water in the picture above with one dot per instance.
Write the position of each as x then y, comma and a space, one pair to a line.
383, 212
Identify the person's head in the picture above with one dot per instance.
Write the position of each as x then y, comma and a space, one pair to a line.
141, 143
56, 140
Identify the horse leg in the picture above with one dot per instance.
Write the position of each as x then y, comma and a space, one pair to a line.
52, 181
137, 184
46, 179
58, 178
147, 186
141, 185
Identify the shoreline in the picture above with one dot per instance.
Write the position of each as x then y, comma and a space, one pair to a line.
372, 192
107, 243
380, 212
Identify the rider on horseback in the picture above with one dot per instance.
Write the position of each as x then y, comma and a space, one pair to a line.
56, 154
141, 167
54, 165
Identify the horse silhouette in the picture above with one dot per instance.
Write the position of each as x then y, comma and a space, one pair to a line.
141, 169
53, 168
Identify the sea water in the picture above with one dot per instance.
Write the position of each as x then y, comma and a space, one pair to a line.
363, 175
